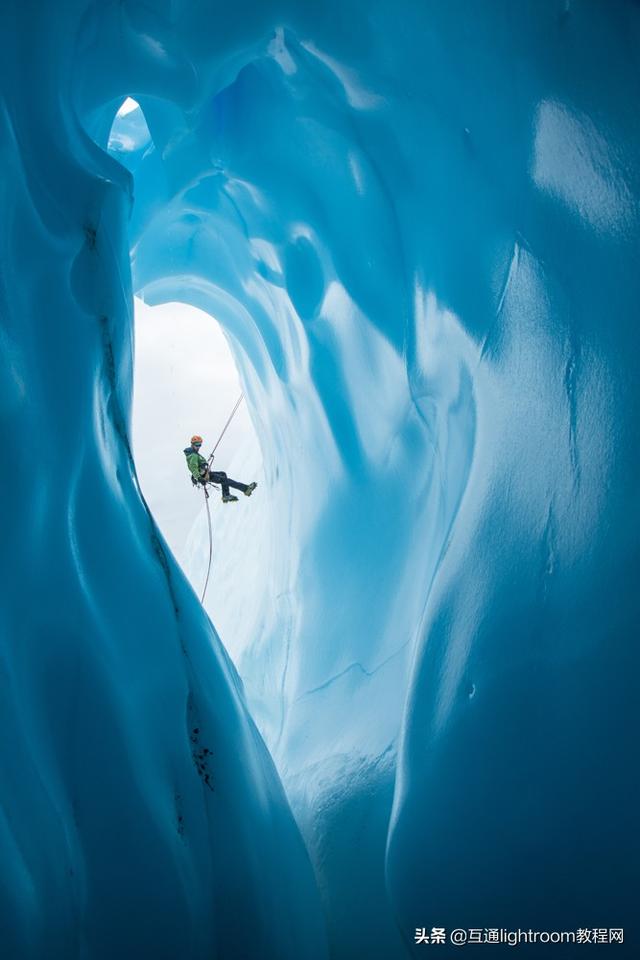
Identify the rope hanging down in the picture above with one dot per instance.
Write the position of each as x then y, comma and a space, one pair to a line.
206, 493
206, 500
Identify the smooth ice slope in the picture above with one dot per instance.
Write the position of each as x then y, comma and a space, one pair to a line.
418, 224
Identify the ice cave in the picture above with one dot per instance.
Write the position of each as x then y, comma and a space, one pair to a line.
407, 712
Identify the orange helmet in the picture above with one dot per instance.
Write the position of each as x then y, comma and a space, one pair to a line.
196, 439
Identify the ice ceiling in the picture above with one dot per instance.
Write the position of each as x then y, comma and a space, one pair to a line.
418, 225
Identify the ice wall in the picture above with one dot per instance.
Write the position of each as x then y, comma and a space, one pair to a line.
418, 224
140, 812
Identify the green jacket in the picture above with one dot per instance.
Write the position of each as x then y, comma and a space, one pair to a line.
196, 463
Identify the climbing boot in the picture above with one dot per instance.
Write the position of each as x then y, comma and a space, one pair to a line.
229, 498
250, 489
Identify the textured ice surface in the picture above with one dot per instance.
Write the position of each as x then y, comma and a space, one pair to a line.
418, 225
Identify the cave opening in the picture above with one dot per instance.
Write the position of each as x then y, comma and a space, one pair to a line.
185, 382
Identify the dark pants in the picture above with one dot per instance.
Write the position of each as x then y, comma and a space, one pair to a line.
219, 476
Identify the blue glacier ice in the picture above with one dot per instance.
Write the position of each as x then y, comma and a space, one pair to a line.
418, 224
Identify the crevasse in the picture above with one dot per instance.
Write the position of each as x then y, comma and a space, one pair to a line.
418, 226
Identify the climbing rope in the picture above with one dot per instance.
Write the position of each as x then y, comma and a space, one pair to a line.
206, 493
224, 429
206, 500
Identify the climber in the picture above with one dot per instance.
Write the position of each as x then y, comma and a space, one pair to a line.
201, 473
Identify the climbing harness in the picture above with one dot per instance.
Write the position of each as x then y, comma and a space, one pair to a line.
206, 492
